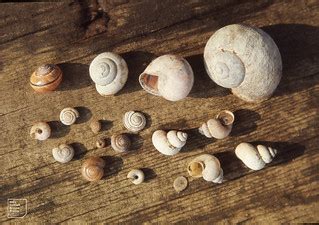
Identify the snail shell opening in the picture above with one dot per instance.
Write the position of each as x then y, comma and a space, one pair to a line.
195, 168
226, 117
149, 83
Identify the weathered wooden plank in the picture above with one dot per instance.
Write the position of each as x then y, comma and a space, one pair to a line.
36, 33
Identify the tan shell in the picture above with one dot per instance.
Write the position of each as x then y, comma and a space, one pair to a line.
93, 169
245, 59
40, 131
63, 153
46, 78
100, 143
95, 126
120, 142
206, 166
168, 76
136, 176
220, 127
180, 183
68, 116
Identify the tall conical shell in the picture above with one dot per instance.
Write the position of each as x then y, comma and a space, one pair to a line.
245, 59
168, 76
109, 72
169, 143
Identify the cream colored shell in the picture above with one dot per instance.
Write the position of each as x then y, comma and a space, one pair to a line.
255, 158
134, 121
245, 59
169, 143
68, 116
168, 76
220, 127
136, 176
63, 154
40, 131
109, 72
206, 166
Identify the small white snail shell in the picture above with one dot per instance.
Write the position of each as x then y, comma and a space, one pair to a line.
255, 158
206, 166
220, 127
245, 59
136, 176
168, 76
68, 116
120, 142
134, 121
40, 131
109, 72
63, 154
169, 143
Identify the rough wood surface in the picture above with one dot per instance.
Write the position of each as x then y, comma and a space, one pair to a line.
71, 34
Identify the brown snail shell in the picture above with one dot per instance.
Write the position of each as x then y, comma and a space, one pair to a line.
93, 169
120, 142
96, 126
46, 78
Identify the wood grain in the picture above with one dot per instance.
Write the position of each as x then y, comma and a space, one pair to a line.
68, 34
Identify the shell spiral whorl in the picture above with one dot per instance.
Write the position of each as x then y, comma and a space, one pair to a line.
63, 154
169, 143
68, 116
134, 121
93, 169
105, 71
120, 142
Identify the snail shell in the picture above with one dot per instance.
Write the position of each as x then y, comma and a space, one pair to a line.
109, 72
93, 169
100, 143
220, 127
68, 116
169, 143
180, 183
40, 131
120, 142
136, 176
95, 126
63, 154
255, 158
206, 166
245, 59
46, 78
168, 76
134, 121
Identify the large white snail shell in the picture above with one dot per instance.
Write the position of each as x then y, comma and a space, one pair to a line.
109, 72
63, 154
68, 116
245, 59
220, 127
134, 121
255, 158
169, 143
206, 166
168, 76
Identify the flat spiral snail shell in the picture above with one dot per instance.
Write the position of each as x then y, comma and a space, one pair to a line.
253, 157
136, 176
134, 121
120, 142
68, 116
220, 127
109, 72
169, 143
168, 76
93, 169
245, 59
46, 78
63, 153
40, 131
206, 166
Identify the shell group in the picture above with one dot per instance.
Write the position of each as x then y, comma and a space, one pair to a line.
68, 116
134, 121
219, 127
46, 78
169, 143
245, 59
63, 153
120, 142
253, 157
109, 72
169, 76
40, 131
206, 166
93, 169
